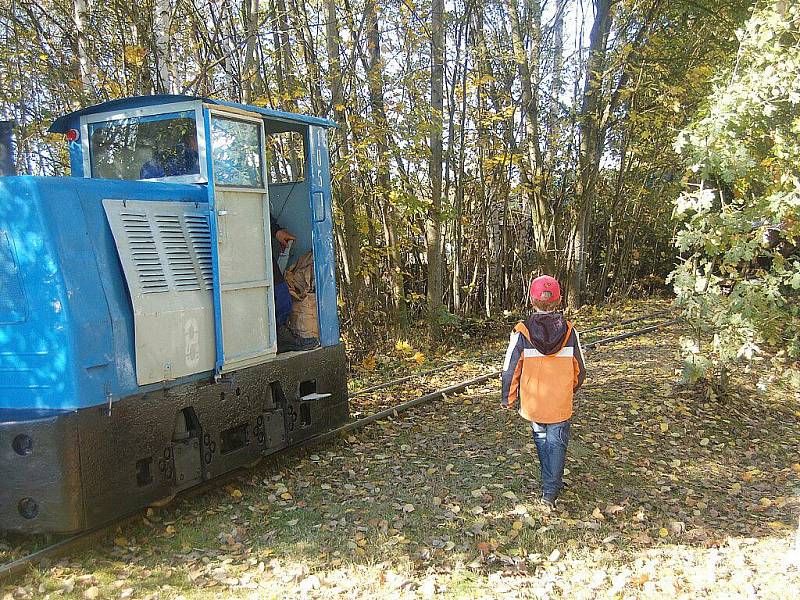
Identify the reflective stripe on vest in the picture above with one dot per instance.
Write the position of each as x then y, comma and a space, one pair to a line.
533, 353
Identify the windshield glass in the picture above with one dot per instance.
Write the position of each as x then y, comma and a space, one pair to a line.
146, 147
236, 150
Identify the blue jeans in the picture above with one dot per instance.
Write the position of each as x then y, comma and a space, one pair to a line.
551, 445
283, 303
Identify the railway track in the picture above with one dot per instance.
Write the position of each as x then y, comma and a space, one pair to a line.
65, 546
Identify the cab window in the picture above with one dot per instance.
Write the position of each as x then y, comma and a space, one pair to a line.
160, 146
236, 152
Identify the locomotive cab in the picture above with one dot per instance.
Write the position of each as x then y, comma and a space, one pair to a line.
139, 349
251, 165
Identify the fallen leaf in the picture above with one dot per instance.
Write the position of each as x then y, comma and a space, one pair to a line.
91, 593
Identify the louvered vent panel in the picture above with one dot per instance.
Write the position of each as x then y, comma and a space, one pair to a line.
165, 247
144, 252
178, 253
200, 236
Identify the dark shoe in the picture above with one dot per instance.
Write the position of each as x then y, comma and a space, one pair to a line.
549, 500
289, 342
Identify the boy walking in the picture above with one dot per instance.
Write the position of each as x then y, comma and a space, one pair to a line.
544, 368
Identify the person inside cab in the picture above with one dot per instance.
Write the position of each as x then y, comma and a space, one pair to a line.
182, 160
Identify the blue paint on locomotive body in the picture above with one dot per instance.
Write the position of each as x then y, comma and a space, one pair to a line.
74, 347
66, 319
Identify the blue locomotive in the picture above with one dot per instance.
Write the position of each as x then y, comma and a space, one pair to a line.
138, 337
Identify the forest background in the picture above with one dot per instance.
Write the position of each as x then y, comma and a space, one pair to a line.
480, 142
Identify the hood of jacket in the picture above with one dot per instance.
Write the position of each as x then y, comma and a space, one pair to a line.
546, 331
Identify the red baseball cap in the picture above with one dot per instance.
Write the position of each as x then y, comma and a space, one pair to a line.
545, 283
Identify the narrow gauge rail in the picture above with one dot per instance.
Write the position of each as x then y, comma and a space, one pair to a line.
660, 313
19, 566
491, 358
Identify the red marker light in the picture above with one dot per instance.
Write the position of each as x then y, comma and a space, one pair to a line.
73, 135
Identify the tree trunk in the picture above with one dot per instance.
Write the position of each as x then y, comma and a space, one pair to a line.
383, 185
433, 229
161, 25
81, 15
250, 71
530, 112
591, 145
346, 195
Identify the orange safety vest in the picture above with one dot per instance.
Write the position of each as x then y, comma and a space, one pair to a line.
544, 383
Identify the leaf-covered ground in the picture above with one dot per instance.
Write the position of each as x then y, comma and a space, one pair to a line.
669, 495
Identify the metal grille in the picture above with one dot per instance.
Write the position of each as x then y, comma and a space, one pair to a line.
200, 235
169, 250
178, 254
13, 308
144, 252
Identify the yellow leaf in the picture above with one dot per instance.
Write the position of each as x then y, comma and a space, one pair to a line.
170, 530
736, 488
664, 427
598, 515
663, 532
403, 347
796, 467
286, 496
418, 358
135, 54
236, 493
617, 436
120, 541
765, 502
369, 363
517, 525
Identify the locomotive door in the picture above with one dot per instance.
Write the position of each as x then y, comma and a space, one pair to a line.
244, 305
